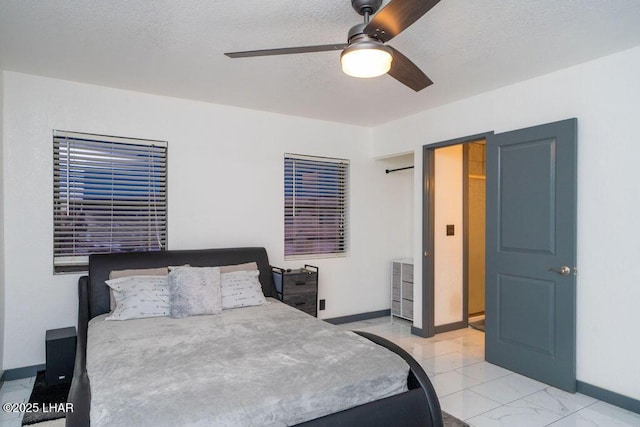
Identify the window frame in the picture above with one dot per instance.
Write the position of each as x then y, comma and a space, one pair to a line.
325, 183
98, 178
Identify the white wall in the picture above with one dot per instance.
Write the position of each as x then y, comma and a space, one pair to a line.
225, 189
603, 95
397, 188
447, 254
2, 168
398, 191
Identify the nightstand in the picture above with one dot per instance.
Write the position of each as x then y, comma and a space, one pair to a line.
298, 288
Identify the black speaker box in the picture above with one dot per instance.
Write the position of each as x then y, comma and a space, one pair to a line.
61, 355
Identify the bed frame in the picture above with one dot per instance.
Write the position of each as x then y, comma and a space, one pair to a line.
418, 406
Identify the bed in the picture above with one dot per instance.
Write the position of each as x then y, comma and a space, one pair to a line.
262, 365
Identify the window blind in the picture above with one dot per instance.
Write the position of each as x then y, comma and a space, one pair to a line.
109, 195
315, 206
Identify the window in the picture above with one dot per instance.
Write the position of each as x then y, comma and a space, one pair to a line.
315, 206
109, 195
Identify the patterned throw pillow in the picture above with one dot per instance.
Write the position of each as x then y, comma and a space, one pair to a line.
139, 297
241, 289
194, 291
117, 274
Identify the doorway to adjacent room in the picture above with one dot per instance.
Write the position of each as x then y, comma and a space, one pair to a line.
457, 211
530, 246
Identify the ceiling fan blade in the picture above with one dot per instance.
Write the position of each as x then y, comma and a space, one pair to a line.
396, 17
287, 50
407, 73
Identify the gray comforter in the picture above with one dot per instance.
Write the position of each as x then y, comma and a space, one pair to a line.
268, 365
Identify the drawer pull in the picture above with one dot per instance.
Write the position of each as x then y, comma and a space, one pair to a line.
300, 283
300, 303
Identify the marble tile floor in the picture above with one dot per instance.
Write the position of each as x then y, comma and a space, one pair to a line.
469, 388
17, 391
483, 394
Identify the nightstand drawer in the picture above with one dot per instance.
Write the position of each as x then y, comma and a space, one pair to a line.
306, 302
299, 284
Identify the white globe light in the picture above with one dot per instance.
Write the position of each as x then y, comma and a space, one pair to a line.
366, 61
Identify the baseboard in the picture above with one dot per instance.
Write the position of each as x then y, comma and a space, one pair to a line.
450, 327
25, 372
419, 332
358, 317
611, 397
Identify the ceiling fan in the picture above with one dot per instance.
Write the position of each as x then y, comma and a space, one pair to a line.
365, 54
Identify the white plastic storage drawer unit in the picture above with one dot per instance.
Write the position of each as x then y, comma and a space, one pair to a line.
402, 288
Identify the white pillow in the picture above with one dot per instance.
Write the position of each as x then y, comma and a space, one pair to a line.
194, 291
241, 289
247, 266
139, 297
117, 274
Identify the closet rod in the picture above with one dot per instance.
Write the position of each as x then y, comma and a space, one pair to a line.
399, 169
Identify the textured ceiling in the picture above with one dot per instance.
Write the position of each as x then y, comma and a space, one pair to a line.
175, 48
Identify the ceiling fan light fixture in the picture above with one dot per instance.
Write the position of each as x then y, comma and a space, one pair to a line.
365, 54
366, 59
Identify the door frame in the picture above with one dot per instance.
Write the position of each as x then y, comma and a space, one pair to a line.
428, 229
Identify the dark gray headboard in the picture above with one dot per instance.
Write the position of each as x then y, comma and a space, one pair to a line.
101, 265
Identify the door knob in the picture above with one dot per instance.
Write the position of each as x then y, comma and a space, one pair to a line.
563, 271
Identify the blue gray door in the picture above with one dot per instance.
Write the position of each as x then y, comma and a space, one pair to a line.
531, 252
